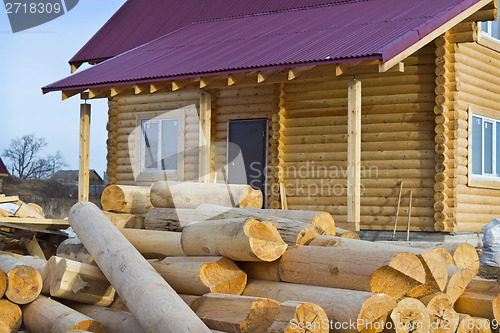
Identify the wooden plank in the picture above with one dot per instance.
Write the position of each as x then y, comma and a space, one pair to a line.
433, 35
354, 153
50, 223
6, 199
34, 248
69, 93
83, 167
205, 136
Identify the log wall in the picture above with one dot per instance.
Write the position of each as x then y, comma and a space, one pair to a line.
123, 112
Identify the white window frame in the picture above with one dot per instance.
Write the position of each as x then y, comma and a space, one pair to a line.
151, 175
160, 135
488, 32
484, 180
486, 39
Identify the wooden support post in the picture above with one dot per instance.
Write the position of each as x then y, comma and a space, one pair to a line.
83, 166
205, 135
354, 153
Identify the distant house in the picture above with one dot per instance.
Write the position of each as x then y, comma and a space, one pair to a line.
71, 176
342, 104
3, 173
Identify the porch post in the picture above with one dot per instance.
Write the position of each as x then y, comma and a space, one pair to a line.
205, 136
83, 165
354, 153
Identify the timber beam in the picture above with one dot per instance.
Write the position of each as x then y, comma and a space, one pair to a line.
69, 93
141, 88
366, 67
116, 90
98, 92
293, 73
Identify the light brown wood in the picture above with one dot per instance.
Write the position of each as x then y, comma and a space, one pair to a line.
411, 315
443, 318
261, 270
346, 233
202, 275
291, 231
36, 263
342, 306
232, 313
26, 211
484, 286
237, 239
24, 283
478, 305
344, 268
10, 316
114, 321
123, 220
458, 281
354, 153
152, 301
45, 315
76, 281
191, 195
48, 275
126, 199
73, 248
192, 300
205, 136
83, 160
37, 208
168, 219
392, 282
300, 317
154, 243
119, 304
3, 283
470, 324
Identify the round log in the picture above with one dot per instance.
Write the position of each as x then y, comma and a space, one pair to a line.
458, 280
443, 318
411, 315
389, 281
24, 283
152, 301
45, 315
261, 270
36, 263
479, 305
168, 219
346, 233
484, 286
237, 239
73, 248
76, 281
341, 306
470, 324
192, 300
119, 304
48, 275
202, 275
126, 199
10, 316
3, 283
233, 313
300, 317
123, 220
154, 243
114, 321
335, 267
191, 195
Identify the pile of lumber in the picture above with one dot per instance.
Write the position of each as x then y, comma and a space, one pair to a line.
226, 265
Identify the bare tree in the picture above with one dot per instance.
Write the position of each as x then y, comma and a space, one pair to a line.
26, 163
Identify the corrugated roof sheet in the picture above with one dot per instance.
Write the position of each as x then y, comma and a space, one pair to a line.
140, 21
344, 31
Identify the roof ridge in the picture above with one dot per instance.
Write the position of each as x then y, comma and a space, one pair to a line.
270, 12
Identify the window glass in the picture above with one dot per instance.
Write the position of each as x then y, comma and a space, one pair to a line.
488, 147
484, 27
170, 145
495, 29
150, 137
477, 145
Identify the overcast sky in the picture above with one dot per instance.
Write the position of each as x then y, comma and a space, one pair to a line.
36, 57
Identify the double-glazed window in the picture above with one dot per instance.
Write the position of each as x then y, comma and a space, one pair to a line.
491, 29
160, 145
485, 147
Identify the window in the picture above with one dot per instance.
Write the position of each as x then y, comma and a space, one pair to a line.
160, 145
485, 147
491, 29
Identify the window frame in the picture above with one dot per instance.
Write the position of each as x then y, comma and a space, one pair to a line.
486, 39
484, 180
150, 175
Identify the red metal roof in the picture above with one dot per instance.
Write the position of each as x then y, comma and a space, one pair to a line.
140, 21
344, 31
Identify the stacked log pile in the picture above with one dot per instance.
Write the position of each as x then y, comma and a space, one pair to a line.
238, 268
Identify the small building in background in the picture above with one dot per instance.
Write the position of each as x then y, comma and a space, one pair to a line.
3, 173
71, 176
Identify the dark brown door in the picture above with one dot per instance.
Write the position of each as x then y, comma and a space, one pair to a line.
247, 153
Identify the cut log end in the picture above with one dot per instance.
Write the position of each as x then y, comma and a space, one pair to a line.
375, 307
3, 283
458, 282
411, 315
465, 256
24, 284
10, 316
223, 276
410, 265
325, 221
470, 324
89, 326
435, 265
300, 317
113, 199
391, 282
265, 240
252, 198
444, 319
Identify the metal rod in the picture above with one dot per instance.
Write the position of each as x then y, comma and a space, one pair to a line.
409, 218
397, 211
